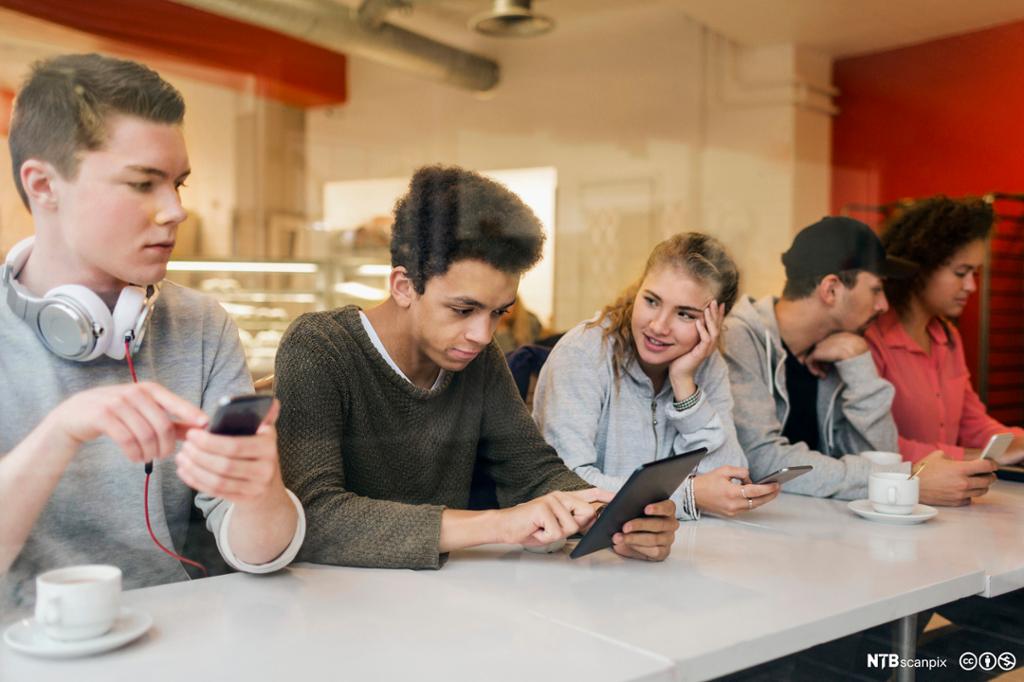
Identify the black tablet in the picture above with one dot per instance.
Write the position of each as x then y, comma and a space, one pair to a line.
651, 482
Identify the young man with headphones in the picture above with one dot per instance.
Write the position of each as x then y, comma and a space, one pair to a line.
99, 158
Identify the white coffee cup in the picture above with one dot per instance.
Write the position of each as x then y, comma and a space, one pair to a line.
893, 492
881, 458
79, 602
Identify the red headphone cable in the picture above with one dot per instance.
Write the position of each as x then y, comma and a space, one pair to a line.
149, 471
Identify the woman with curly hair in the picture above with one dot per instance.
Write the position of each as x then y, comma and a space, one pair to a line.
915, 345
644, 380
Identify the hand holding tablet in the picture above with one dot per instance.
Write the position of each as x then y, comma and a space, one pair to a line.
640, 519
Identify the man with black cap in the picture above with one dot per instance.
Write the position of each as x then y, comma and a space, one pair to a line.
805, 388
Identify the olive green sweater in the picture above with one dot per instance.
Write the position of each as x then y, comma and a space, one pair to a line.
375, 459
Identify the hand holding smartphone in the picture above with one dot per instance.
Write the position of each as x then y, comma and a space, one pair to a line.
231, 459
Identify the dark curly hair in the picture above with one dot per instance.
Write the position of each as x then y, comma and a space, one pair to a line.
452, 214
929, 233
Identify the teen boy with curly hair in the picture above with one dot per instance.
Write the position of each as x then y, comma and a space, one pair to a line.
386, 412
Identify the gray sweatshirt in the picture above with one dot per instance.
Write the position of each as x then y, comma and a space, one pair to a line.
853, 408
603, 433
95, 514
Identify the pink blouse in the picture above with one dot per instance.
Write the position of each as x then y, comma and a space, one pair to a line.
935, 407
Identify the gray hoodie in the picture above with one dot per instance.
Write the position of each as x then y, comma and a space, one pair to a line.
604, 433
853, 408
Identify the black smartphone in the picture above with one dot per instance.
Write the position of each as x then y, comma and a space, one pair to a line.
651, 482
786, 474
240, 415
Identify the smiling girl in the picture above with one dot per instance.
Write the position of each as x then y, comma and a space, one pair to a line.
644, 381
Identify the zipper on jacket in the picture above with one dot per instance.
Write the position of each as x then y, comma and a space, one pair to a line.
654, 425
829, 418
773, 383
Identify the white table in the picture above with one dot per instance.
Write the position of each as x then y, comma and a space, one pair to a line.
316, 622
796, 573
989, 532
992, 531
731, 595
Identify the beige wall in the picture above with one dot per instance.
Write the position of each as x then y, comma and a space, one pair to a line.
653, 123
766, 152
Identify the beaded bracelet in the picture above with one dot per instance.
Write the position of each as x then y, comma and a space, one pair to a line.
690, 502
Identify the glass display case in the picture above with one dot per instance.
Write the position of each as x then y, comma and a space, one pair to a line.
265, 296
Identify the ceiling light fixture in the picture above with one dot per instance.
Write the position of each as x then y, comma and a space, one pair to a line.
511, 19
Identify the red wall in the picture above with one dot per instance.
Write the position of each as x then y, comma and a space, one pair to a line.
945, 116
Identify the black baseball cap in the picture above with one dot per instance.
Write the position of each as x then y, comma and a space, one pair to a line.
837, 243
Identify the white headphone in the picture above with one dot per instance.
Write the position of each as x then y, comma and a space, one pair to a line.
71, 320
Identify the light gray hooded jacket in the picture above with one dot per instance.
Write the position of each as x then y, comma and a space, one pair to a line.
853, 408
603, 433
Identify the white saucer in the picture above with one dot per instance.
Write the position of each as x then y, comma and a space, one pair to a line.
28, 637
921, 513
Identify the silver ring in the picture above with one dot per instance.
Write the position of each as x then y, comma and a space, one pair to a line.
744, 493
750, 504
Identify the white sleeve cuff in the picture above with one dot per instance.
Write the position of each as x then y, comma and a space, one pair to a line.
282, 560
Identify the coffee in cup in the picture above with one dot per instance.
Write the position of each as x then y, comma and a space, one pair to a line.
893, 492
79, 602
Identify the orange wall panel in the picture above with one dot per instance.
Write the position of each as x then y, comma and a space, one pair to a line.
286, 69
